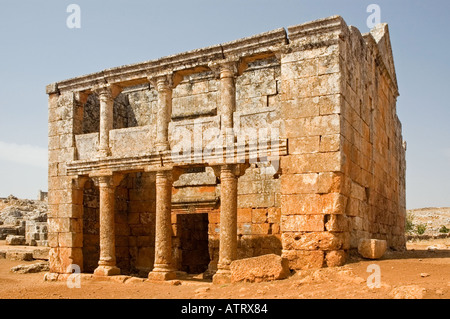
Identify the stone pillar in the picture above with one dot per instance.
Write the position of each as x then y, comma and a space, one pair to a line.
106, 96
227, 73
107, 262
228, 219
163, 268
164, 86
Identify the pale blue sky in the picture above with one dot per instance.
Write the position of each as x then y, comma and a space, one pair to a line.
37, 48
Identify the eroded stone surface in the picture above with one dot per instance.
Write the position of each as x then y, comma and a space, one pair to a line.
261, 268
372, 248
30, 268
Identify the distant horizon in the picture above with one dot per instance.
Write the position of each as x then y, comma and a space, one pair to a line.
41, 49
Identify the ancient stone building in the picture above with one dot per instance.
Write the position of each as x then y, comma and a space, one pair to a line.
286, 142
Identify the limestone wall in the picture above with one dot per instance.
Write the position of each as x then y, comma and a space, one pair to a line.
343, 179
372, 143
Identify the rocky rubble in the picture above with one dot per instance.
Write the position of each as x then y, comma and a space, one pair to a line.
434, 219
31, 268
23, 221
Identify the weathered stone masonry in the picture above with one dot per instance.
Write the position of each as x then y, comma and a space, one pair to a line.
121, 202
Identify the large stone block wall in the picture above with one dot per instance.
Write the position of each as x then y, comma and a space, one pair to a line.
343, 179
313, 220
372, 142
65, 199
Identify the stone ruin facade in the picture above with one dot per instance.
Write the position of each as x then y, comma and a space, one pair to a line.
285, 143
23, 221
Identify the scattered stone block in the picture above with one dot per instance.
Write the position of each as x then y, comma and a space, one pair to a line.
41, 253
33, 268
51, 276
372, 248
258, 269
19, 255
14, 240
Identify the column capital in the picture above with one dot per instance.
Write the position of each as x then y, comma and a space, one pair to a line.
226, 68
109, 90
173, 174
107, 180
235, 169
79, 181
165, 81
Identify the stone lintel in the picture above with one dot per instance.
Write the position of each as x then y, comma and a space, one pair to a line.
166, 161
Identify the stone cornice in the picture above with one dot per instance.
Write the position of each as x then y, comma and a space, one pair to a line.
317, 27
182, 63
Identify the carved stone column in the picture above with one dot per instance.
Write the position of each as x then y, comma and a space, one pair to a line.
106, 96
107, 262
164, 86
163, 268
228, 219
228, 71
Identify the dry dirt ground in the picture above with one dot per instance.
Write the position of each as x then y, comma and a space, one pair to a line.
415, 273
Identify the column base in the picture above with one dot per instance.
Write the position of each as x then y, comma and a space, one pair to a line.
106, 271
222, 277
162, 275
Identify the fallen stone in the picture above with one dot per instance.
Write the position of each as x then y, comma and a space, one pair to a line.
258, 269
2, 254
19, 255
51, 276
15, 240
41, 253
33, 268
408, 292
372, 248
424, 274
437, 247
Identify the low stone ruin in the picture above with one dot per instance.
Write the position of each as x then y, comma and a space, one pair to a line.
23, 221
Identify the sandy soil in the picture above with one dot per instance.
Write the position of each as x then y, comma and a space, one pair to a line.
418, 268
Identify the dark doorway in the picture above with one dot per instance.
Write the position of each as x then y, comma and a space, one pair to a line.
91, 227
193, 235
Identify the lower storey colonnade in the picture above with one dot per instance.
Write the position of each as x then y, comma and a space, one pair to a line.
163, 267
